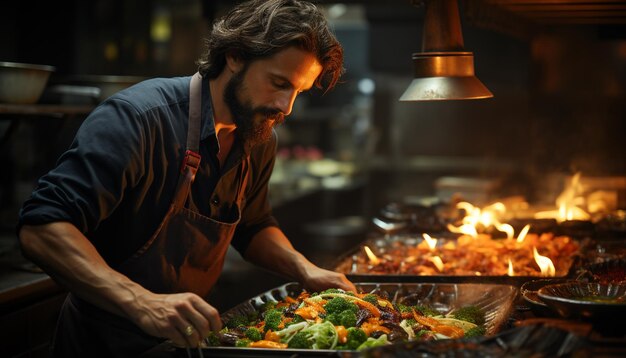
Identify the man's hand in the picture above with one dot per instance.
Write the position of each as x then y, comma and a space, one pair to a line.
318, 279
184, 318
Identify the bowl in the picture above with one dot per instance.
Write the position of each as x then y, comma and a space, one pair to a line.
588, 301
22, 83
529, 291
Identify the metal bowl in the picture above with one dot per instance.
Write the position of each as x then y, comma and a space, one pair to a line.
592, 301
22, 83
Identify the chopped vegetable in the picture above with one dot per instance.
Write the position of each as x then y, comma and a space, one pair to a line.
244, 342
273, 318
253, 334
373, 342
475, 332
471, 314
355, 338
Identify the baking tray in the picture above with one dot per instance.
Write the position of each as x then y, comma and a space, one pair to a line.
495, 299
342, 265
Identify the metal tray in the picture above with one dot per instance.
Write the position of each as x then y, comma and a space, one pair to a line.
496, 300
342, 263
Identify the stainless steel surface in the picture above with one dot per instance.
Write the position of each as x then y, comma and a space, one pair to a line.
443, 70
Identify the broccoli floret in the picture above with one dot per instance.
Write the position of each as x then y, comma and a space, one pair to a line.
340, 304
411, 322
403, 308
371, 298
355, 338
421, 332
244, 342
333, 318
273, 319
317, 336
477, 331
237, 321
427, 311
300, 340
254, 334
269, 305
212, 340
373, 342
347, 319
471, 314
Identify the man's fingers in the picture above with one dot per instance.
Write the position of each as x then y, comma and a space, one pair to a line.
210, 313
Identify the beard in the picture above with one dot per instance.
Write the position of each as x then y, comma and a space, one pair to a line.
254, 124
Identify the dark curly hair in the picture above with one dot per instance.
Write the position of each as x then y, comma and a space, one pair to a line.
261, 28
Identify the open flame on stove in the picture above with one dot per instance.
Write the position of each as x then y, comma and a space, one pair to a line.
523, 233
570, 203
510, 271
370, 255
545, 264
436, 260
432, 242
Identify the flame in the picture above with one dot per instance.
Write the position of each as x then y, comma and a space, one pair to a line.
432, 243
545, 264
510, 272
475, 216
523, 233
508, 229
569, 203
463, 229
436, 260
373, 259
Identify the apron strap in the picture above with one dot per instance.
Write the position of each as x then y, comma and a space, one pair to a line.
191, 162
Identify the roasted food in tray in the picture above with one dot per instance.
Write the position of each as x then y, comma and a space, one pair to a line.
289, 319
462, 256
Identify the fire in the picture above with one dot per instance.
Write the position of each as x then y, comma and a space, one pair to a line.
510, 271
545, 264
436, 260
569, 203
476, 218
373, 259
523, 233
432, 242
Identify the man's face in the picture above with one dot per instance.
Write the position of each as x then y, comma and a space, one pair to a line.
262, 92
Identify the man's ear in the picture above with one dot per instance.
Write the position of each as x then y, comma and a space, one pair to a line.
234, 61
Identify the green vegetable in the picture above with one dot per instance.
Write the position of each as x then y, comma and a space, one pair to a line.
427, 311
212, 340
237, 321
273, 319
244, 342
347, 319
373, 342
477, 331
253, 334
355, 338
333, 318
269, 305
403, 308
300, 340
296, 319
371, 298
288, 332
340, 304
471, 314
317, 336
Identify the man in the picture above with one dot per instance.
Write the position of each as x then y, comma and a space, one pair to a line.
136, 218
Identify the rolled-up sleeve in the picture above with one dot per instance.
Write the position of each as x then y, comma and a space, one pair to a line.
90, 178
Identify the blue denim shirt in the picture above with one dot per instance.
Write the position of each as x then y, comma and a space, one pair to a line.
116, 181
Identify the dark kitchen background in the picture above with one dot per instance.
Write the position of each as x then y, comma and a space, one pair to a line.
557, 70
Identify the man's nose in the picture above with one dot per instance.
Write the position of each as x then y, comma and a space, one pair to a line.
285, 101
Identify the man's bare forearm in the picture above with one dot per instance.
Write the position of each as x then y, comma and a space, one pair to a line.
70, 258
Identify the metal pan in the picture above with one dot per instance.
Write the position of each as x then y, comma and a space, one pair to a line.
496, 300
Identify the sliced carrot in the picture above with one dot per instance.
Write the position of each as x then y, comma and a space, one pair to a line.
290, 300
450, 331
272, 336
306, 312
319, 306
342, 334
369, 328
268, 344
368, 306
